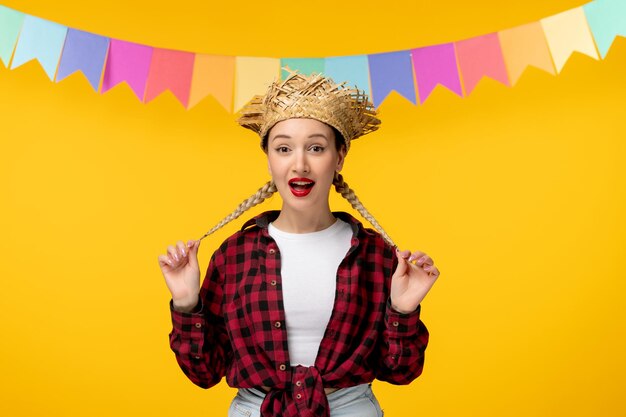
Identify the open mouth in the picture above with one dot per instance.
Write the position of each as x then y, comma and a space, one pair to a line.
301, 186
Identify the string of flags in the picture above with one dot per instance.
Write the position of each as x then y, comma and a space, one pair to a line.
232, 80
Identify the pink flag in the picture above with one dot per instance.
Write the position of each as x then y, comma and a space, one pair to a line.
435, 65
128, 62
170, 69
478, 57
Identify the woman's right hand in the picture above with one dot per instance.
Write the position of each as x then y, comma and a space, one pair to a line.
182, 274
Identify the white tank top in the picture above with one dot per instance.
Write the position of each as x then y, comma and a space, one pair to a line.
309, 263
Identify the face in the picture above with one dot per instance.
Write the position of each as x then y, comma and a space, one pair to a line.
302, 159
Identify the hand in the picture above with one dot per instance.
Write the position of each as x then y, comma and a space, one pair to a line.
411, 281
182, 274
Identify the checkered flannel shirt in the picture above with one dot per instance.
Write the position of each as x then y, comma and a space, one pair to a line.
238, 330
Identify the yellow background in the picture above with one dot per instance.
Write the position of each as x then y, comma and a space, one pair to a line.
517, 193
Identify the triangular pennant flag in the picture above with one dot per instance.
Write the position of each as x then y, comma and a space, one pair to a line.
215, 75
478, 57
40, 39
391, 71
435, 65
253, 76
86, 52
170, 70
305, 66
129, 62
10, 25
566, 33
607, 19
352, 69
523, 46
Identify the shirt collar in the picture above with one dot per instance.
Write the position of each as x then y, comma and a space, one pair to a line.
264, 219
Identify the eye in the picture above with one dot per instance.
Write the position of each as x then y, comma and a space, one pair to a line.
317, 148
282, 149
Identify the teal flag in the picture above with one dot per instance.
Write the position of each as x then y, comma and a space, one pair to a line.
607, 19
10, 24
305, 66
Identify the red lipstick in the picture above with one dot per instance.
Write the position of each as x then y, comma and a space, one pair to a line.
301, 187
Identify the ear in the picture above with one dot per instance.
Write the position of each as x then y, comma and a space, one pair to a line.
342, 157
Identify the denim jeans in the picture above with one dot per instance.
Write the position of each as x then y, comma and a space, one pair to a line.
357, 401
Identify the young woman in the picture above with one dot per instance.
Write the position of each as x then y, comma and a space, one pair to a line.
303, 307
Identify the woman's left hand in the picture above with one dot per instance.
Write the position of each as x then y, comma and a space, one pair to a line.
413, 278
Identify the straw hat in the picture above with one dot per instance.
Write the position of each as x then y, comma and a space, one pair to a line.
314, 97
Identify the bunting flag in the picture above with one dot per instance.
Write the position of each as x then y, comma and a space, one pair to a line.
83, 52
436, 65
129, 62
10, 24
213, 75
354, 68
607, 19
191, 77
253, 76
566, 33
42, 40
171, 70
478, 57
391, 71
523, 46
305, 66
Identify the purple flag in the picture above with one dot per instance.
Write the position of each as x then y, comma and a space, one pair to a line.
435, 65
86, 52
128, 62
391, 71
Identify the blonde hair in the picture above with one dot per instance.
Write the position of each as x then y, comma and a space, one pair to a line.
270, 188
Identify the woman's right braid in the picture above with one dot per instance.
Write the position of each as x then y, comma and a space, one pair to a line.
264, 192
348, 193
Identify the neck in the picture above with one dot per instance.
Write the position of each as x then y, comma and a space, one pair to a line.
292, 221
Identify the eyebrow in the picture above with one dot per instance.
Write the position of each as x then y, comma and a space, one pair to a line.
314, 135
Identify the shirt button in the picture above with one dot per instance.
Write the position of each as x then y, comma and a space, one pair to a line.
277, 324
395, 324
272, 251
273, 282
198, 325
282, 367
197, 357
299, 383
298, 396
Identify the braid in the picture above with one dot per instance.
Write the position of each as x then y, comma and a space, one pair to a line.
348, 193
264, 192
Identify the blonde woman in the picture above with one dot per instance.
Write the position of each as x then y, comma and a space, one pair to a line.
303, 307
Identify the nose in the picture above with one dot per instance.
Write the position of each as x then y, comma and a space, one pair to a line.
300, 163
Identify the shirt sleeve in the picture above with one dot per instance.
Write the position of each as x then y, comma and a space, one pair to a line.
403, 344
199, 338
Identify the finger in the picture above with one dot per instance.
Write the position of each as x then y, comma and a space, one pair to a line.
433, 272
416, 255
193, 246
424, 260
164, 261
173, 252
402, 264
182, 250
403, 253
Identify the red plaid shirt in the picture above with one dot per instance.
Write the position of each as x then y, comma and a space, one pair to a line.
238, 328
